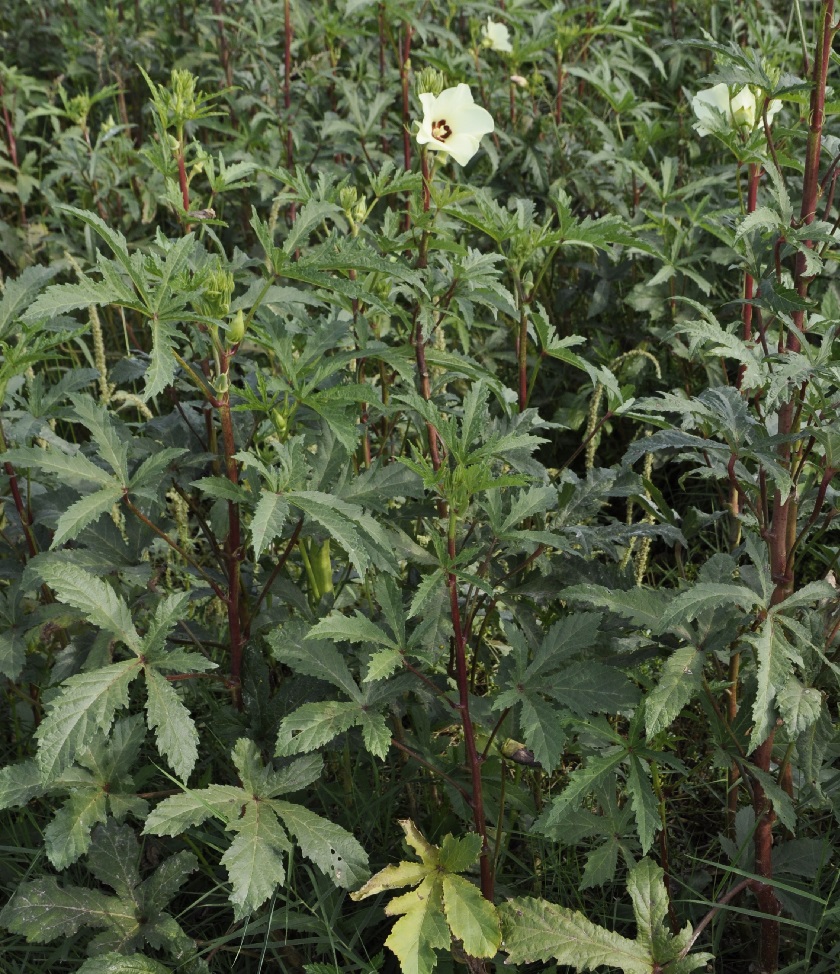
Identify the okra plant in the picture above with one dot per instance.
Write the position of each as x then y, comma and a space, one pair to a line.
420, 438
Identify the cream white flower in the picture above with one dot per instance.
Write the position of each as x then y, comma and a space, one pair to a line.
717, 108
453, 123
496, 36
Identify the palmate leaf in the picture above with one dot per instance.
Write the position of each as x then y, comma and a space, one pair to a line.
175, 730
84, 511
254, 859
680, 679
83, 709
99, 782
19, 291
113, 963
161, 370
68, 836
42, 910
72, 468
535, 930
268, 520
422, 928
332, 848
314, 724
443, 904
95, 598
471, 918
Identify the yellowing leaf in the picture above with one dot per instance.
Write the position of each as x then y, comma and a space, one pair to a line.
472, 919
421, 929
424, 849
392, 877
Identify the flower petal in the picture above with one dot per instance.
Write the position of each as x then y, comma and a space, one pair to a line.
475, 121
462, 147
452, 101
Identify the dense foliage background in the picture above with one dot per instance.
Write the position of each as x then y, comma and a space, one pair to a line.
388, 538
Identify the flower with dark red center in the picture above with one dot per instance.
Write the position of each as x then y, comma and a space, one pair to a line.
453, 123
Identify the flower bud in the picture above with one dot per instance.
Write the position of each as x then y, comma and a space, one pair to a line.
430, 80
236, 331
280, 423
347, 197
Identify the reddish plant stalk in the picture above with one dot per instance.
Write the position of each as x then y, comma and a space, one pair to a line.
734, 508
768, 903
811, 180
381, 25
749, 282
473, 757
21, 508
558, 98
224, 47
11, 142
522, 358
182, 179
287, 94
782, 534
233, 547
419, 340
404, 47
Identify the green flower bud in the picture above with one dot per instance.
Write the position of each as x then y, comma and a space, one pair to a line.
430, 80
236, 331
347, 197
218, 290
280, 423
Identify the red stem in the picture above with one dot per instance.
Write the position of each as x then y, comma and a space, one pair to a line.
473, 757
811, 181
224, 49
233, 549
21, 508
287, 94
404, 46
768, 904
182, 179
